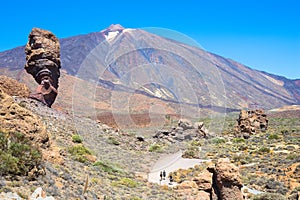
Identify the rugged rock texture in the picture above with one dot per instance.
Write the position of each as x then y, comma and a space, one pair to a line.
13, 88
204, 181
185, 130
15, 118
23, 130
251, 122
220, 181
43, 63
227, 183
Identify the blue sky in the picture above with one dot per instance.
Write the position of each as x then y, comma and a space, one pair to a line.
262, 34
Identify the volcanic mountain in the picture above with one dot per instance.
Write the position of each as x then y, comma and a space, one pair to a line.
132, 70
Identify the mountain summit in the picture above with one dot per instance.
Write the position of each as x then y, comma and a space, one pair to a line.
112, 31
115, 27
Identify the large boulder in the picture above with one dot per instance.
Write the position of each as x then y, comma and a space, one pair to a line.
227, 183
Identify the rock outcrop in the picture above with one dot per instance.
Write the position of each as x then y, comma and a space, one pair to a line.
251, 122
15, 118
185, 130
13, 88
227, 183
220, 181
43, 63
20, 127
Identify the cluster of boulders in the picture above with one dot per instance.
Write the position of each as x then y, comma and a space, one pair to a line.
251, 122
43, 63
185, 130
219, 181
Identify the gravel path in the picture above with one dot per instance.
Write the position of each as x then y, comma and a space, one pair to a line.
170, 163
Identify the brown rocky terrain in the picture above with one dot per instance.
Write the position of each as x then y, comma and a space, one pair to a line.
82, 158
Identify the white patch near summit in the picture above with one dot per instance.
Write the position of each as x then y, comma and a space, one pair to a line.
128, 30
111, 35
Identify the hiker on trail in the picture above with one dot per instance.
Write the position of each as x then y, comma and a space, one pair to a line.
161, 176
171, 179
164, 175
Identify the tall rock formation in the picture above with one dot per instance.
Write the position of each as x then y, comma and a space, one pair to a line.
251, 122
227, 183
43, 63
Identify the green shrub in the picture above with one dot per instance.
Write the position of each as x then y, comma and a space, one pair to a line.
155, 148
135, 198
125, 182
79, 153
77, 138
268, 196
238, 140
196, 143
273, 137
106, 167
191, 152
264, 150
114, 141
218, 140
292, 156
17, 154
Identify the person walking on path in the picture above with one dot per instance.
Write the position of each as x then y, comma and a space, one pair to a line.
164, 175
161, 176
171, 179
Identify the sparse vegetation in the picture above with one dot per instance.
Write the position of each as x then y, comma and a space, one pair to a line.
127, 182
77, 138
79, 153
268, 196
191, 152
113, 140
292, 156
17, 154
238, 140
107, 167
273, 137
196, 143
218, 140
263, 150
155, 148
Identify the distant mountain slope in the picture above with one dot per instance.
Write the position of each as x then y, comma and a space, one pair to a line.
136, 61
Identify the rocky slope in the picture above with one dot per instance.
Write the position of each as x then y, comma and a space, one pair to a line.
79, 158
89, 160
